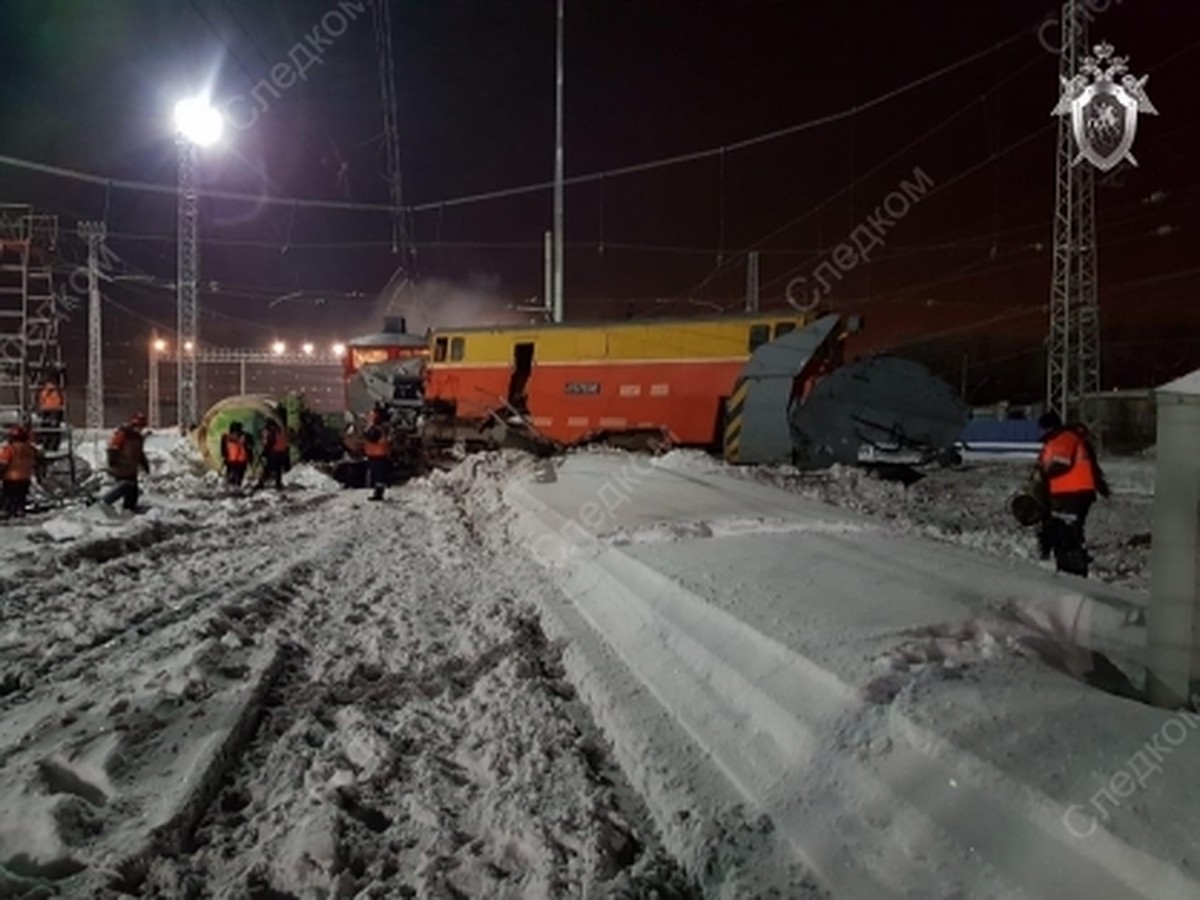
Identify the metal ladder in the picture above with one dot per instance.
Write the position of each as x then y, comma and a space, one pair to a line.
14, 288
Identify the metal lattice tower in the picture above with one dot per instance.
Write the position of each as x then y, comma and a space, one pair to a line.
29, 313
1073, 345
94, 234
391, 131
188, 269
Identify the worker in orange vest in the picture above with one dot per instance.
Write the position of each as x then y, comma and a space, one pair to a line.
274, 454
51, 405
126, 460
1072, 478
236, 454
18, 460
377, 449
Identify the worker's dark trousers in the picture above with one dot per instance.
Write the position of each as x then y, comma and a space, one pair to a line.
126, 489
274, 465
235, 474
1063, 532
15, 494
379, 473
52, 420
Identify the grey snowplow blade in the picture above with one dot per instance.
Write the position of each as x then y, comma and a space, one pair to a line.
756, 419
883, 409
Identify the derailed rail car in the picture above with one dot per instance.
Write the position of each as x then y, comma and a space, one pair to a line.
575, 383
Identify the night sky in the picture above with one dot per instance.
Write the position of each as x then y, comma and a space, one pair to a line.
89, 85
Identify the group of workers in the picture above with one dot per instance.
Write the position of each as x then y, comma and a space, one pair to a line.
22, 453
237, 454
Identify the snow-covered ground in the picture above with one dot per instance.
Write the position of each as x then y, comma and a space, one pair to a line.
302, 692
968, 506
308, 694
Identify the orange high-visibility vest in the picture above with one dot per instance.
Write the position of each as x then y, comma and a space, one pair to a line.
19, 459
50, 399
235, 449
1068, 448
275, 441
376, 449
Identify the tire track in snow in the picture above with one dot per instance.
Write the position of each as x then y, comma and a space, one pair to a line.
427, 742
171, 699
58, 626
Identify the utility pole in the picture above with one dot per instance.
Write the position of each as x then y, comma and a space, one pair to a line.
548, 265
752, 281
152, 402
1073, 344
94, 233
558, 170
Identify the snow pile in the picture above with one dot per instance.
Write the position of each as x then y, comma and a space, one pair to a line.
868, 690
309, 477
968, 506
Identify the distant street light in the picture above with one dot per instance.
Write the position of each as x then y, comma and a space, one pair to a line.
339, 349
279, 348
160, 345
308, 349
188, 346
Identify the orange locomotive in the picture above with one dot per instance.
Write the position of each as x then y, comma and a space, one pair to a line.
572, 382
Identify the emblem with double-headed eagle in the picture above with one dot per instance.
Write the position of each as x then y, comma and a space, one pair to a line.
1103, 112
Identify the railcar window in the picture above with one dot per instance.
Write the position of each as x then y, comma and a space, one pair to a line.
458, 348
439, 350
782, 328
759, 335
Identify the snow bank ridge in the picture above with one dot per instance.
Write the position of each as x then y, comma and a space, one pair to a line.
869, 801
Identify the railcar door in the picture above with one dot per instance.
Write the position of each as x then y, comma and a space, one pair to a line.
518, 382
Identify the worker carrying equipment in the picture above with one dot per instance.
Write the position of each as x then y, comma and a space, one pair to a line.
126, 459
1070, 478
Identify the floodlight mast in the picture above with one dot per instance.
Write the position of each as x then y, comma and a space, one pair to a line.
196, 125
186, 277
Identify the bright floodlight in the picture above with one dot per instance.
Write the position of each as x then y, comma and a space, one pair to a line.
279, 348
197, 122
188, 346
339, 349
308, 349
160, 345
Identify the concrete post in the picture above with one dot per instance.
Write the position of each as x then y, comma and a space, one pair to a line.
1174, 623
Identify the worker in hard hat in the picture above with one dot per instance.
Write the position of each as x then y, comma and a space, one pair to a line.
236, 454
51, 405
126, 460
274, 454
377, 449
18, 460
1072, 478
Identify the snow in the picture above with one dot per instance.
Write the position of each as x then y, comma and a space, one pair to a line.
301, 692
1188, 384
734, 683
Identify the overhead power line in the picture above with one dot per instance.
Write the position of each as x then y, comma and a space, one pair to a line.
312, 203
